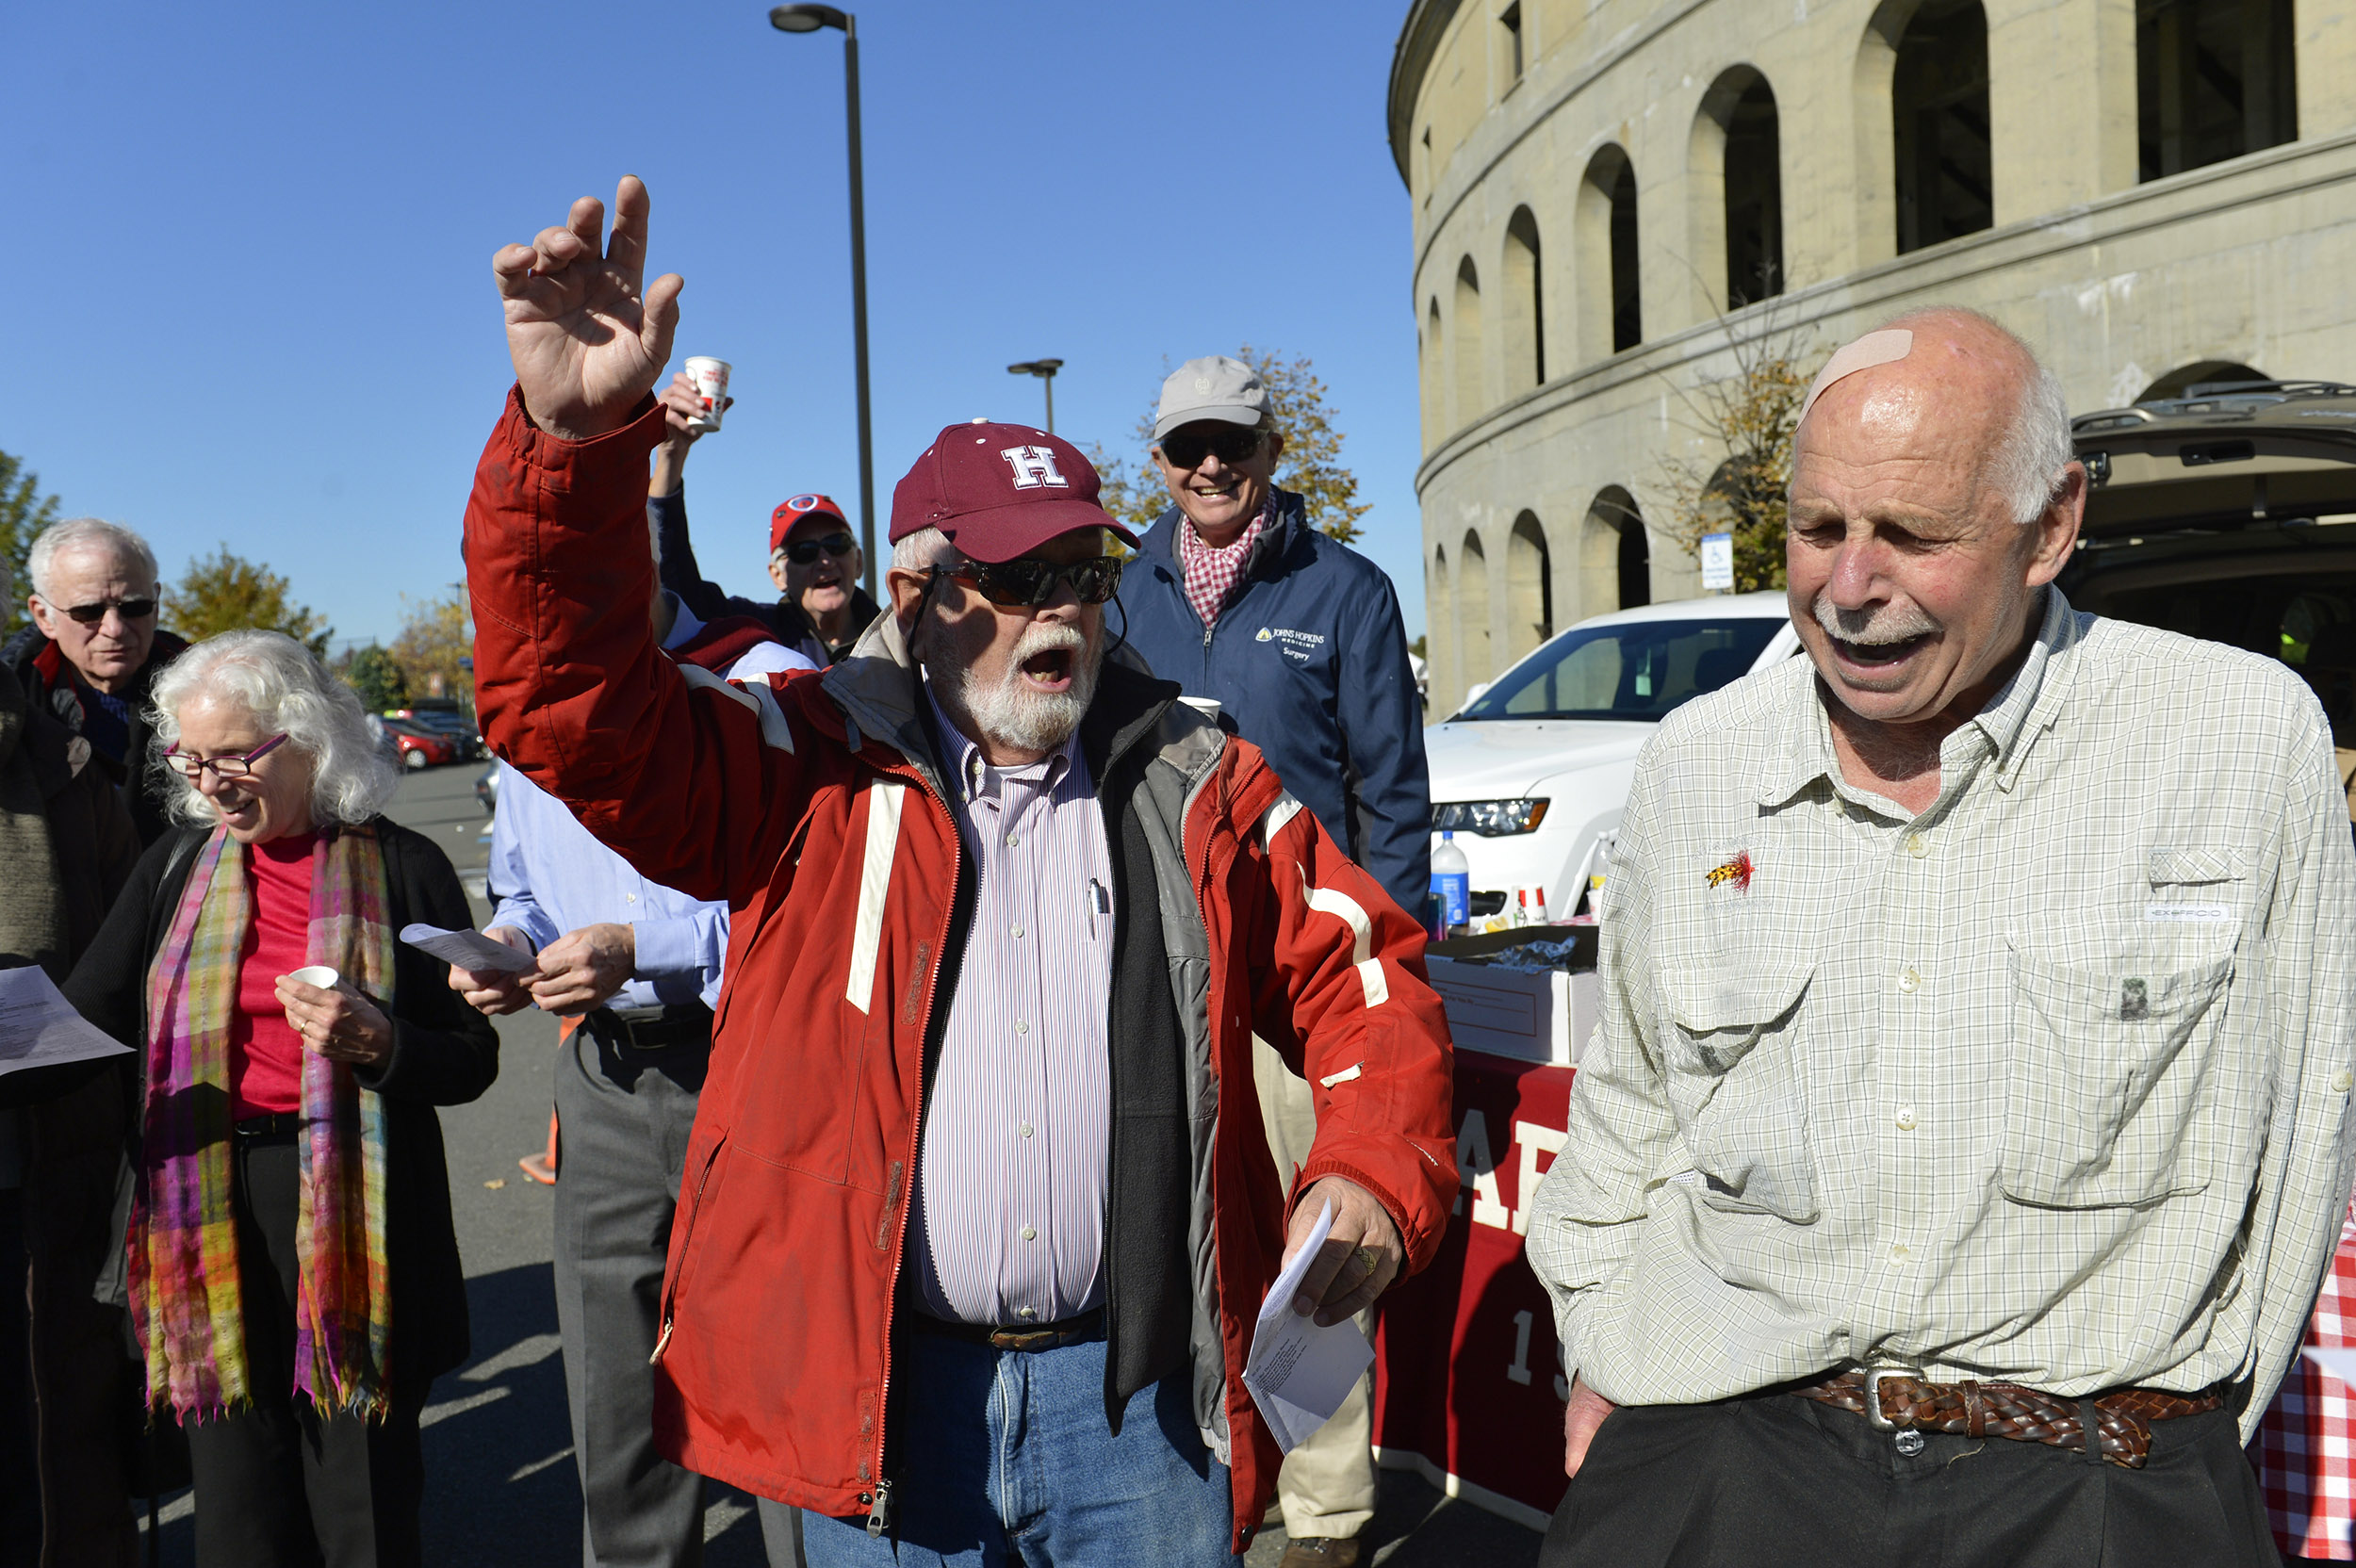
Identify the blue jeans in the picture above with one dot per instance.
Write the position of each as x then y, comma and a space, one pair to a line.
1006, 1457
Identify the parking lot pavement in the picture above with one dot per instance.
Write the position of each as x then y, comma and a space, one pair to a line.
440, 804
500, 1487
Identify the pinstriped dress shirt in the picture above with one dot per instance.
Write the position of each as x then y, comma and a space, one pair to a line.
2049, 1082
1011, 1180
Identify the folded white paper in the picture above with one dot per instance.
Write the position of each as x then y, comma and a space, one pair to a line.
38, 1027
466, 949
1299, 1373
2338, 1360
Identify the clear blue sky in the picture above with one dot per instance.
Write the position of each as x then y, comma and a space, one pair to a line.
248, 248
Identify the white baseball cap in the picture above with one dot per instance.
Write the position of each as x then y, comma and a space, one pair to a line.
1213, 387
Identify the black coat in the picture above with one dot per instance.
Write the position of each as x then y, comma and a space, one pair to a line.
147, 788
443, 1054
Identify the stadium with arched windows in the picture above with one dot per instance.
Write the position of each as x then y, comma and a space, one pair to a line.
1611, 199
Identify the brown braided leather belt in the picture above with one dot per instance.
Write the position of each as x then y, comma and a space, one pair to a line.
1901, 1401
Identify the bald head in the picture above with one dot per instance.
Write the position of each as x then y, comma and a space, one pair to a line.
1931, 496
1964, 370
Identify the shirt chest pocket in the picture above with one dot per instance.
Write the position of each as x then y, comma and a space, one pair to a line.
1730, 1042
2107, 1069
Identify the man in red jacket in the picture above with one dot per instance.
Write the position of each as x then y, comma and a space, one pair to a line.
978, 1212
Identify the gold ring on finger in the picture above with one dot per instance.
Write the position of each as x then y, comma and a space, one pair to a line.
1370, 1257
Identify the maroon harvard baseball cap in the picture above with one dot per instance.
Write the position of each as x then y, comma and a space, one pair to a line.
1000, 491
790, 513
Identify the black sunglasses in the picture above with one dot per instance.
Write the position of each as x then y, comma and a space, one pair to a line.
132, 609
1184, 447
803, 551
1028, 584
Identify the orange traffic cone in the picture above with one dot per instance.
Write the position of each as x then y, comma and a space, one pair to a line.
541, 1168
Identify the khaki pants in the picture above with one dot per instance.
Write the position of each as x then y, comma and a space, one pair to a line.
1327, 1485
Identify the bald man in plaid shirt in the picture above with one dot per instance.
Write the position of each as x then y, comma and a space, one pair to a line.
1966, 1129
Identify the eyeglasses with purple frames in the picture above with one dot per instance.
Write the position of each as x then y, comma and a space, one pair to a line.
188, 765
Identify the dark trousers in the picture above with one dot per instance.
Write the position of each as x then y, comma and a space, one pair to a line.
1777, 1481
280, 1485
20, 1475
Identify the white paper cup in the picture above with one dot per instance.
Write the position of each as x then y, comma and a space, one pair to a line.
316, 975
710, 377
1207, 707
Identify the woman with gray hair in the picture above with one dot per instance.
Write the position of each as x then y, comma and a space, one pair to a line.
292, 1273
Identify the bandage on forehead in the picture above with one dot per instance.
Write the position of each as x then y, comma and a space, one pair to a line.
1885, 346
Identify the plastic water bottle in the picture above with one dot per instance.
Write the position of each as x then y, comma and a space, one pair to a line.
1451, 878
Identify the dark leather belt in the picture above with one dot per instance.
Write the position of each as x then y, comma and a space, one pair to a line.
1901, 1401
1042, 1336
647, 1030
277, 1124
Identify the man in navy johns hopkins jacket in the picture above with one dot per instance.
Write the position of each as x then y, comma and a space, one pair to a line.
1234, 595
1303, 646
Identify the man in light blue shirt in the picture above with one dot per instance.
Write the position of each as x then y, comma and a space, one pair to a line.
634, 968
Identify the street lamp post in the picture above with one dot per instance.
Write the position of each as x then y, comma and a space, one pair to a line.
810, 19
1045, 370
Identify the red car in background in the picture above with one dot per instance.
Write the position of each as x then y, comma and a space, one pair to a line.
419, 746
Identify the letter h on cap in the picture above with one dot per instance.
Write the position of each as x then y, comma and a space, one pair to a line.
1034, 467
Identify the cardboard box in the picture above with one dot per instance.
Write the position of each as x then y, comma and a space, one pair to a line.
1544, 1016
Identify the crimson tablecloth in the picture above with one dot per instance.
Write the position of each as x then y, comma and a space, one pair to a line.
1469, 1388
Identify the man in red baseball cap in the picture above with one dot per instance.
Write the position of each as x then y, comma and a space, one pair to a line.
980, 1214
814, 559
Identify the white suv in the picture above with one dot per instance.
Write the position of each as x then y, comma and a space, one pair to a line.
1534, 770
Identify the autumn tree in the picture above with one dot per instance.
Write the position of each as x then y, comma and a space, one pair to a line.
436, 649
377, 676
24, 512
1750, 417
226, 593
1311, 466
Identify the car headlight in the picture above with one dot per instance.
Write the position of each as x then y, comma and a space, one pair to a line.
1490, 819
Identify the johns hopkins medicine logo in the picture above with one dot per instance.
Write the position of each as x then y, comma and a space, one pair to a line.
1034, 467
1301, 648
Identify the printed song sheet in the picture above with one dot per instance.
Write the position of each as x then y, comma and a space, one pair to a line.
466, 949
38, 1027
1299, 1374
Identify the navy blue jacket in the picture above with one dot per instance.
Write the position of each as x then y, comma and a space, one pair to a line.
1310, 659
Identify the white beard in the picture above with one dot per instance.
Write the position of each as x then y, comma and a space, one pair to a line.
1017, 718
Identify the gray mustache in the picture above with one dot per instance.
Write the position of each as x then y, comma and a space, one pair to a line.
1883, 624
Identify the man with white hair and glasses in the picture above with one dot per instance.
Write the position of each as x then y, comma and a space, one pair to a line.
1965, 1133
93, 650
977, 1214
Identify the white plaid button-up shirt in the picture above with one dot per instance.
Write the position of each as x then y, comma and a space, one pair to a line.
2048, 1083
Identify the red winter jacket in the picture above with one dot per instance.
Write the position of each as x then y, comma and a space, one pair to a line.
814, 804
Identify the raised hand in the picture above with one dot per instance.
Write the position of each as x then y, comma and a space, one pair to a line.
587, 333
682, 405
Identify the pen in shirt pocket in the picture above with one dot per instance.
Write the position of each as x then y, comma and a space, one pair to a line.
1100, 903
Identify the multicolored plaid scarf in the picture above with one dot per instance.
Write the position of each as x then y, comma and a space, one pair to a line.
184, 1285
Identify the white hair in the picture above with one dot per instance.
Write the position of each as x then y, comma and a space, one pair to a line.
927, 546
288, 690
2030, 462
88, 533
